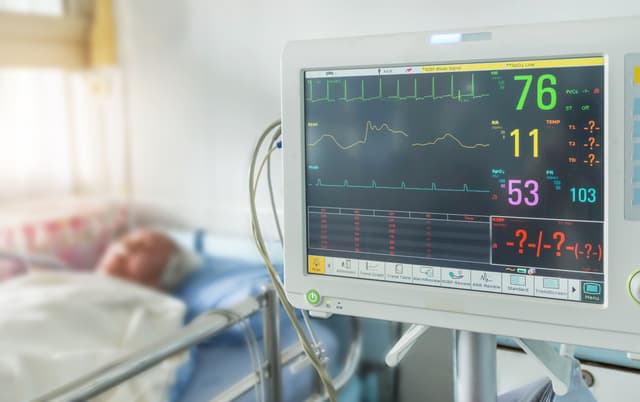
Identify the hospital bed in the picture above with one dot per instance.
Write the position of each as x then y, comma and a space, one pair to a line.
232, 279
233, 271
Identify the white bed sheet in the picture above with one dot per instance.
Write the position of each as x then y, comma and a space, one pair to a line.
55, 327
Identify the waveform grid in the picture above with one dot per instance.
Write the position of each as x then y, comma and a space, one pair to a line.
403, 186
369, 126
459, 96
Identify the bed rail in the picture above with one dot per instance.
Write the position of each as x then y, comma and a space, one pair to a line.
205, 326
199, 330
294, 353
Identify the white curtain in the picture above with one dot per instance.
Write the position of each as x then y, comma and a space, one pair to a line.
61, 133
34, 133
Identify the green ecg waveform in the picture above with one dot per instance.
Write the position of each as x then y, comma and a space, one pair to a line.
369, 127
453, 94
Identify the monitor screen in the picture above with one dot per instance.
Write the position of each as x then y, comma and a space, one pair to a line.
484, 176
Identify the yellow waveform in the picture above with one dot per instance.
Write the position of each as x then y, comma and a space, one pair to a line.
454, 138
369, 126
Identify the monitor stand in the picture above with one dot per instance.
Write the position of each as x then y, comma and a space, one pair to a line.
475, 362
474, 367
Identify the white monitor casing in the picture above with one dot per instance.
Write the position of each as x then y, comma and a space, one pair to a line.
613, 325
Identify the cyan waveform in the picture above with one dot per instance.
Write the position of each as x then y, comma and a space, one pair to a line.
403, 186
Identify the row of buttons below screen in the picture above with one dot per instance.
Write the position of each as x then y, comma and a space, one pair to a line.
497, 282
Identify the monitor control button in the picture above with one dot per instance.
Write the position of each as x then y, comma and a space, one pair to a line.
313, 297
633, 285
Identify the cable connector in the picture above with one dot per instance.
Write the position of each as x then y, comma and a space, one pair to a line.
303, 362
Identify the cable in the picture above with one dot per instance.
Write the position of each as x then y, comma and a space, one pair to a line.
257, 234
304, 313
267, 158
271, 196
312, 333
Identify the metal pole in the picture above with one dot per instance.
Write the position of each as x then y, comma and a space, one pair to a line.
475, 367
271, 324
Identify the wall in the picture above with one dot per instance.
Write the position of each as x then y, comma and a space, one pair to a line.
203, 79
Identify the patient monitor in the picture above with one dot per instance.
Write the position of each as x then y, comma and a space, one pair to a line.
483, 180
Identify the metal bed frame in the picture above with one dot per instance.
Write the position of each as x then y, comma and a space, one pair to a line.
202, 328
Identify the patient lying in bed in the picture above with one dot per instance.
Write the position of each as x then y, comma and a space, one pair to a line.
147, 257
56, 326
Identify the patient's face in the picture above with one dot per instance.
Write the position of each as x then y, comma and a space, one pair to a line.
139, 257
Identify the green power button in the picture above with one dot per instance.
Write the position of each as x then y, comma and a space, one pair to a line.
313, 297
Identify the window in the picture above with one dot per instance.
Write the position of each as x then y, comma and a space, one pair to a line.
61, 125
48, 7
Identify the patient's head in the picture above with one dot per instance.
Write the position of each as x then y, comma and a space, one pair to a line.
141, 256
